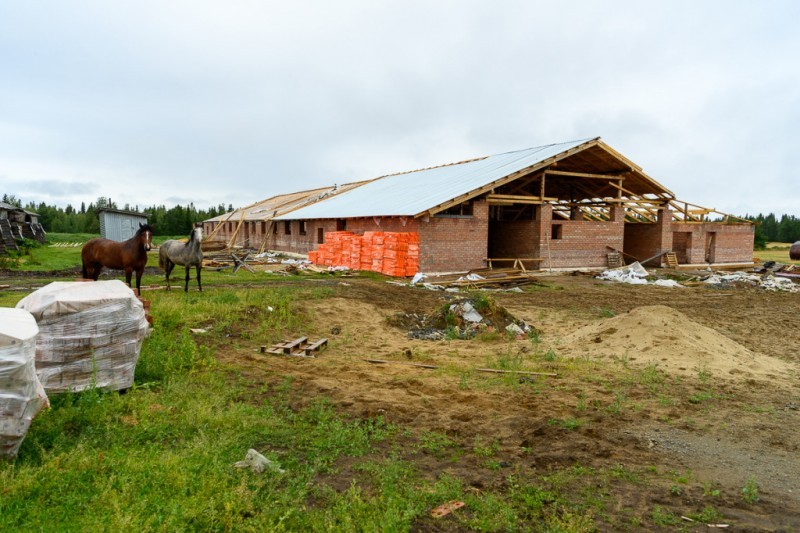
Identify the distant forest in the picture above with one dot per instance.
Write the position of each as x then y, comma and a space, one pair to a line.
770, 228
177, 220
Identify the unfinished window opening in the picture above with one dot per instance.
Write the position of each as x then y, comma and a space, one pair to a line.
463, 209
263, 227
320, 236
556, 232
341, 224
274, 228
287, 228
512, 213
302, 227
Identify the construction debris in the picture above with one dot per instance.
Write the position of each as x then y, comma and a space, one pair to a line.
461, 319
484, 278
767, 281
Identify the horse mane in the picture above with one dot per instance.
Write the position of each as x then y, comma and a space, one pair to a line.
143, 228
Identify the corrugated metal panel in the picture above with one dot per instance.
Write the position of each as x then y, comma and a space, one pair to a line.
119, 226
416, 192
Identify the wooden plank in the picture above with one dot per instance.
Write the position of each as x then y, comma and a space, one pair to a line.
290, 345
495, 371
315, 346
585, 175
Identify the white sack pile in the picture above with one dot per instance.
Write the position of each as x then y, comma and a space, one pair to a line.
90, 334
21, 393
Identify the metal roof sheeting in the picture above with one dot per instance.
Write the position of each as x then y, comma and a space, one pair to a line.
415, 192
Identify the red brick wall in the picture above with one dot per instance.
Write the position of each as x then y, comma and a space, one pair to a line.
582, 243
454, 244
642, 240
733, 243
514, 239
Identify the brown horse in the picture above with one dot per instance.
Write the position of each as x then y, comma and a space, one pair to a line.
129, 256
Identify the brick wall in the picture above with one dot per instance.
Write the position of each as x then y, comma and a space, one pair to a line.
714, 242
449, 244
582, 243
519, 238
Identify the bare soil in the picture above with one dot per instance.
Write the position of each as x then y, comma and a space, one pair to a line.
697, 388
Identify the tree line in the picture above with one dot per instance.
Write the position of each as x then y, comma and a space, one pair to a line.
771, 228
176, 220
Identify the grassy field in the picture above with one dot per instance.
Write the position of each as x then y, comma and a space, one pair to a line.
776, 251
159, 457
60, 251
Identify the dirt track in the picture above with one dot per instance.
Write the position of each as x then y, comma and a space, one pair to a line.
717, 427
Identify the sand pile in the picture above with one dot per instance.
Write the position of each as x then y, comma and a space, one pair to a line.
659, 334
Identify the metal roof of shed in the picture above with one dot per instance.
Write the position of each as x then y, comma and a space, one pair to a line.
416, 192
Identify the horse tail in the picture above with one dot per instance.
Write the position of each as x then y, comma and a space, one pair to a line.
161, 257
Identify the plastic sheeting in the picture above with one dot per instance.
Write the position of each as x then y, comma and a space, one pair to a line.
21, 393
633, 274
90, 334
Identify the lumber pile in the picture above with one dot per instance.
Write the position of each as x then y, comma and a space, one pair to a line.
390, 253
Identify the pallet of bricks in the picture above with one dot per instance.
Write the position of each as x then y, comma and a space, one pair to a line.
390, 253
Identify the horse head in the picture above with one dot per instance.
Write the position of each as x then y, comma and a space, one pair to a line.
197, 233
145, 234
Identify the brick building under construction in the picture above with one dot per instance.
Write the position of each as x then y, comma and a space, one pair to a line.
560, 206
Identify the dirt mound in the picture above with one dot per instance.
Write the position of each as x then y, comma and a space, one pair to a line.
659, 334
463, 318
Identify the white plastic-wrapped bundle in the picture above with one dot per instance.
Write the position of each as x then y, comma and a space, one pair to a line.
21, 393
90, 334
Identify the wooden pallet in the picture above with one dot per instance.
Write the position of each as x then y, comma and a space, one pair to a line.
671, 259
300, 347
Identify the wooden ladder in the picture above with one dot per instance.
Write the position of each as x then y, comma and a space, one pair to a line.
671, 259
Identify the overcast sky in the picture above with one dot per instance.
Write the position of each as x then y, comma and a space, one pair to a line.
234, 101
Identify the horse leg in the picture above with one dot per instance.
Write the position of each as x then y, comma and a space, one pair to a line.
139, 281
186, 288
199, 285
128, 274
95, 271
168, 266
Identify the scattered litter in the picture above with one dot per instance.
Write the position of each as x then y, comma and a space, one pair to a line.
767, 281
257, 463
467, 312
198, 331
708, 525
419, 276
446, 508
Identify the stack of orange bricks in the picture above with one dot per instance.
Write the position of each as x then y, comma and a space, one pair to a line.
390, 253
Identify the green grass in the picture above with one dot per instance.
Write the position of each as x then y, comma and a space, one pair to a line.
778, 252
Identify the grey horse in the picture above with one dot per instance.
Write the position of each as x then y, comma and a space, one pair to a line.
189, 254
